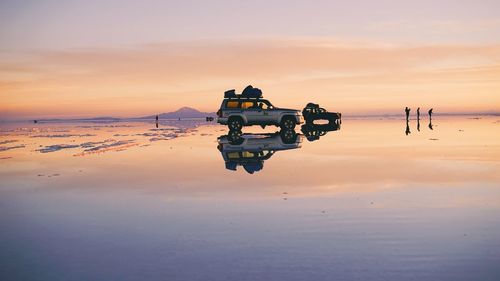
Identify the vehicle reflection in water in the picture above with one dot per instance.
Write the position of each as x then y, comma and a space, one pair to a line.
251, 150
314, 131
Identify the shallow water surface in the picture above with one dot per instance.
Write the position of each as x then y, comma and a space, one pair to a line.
189, 201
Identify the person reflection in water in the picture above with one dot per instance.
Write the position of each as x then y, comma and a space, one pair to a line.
407, 111
407, 128
430, 124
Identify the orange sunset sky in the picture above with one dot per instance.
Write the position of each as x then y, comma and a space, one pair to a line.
127, 59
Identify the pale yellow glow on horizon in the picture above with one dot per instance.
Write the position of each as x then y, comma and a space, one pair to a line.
354, 79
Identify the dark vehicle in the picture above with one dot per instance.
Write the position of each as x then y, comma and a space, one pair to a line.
312, 112
251, 150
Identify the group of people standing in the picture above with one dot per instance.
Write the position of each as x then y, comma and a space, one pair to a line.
407, 111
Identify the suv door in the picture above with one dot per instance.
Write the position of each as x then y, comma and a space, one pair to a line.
254, 114
268, 116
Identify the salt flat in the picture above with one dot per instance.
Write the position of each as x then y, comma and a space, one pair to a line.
129, 201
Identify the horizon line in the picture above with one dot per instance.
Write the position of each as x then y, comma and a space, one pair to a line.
356, 115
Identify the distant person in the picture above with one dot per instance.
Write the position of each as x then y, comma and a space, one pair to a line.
430, 113
418, 113
156, 118
35, 121
407, 111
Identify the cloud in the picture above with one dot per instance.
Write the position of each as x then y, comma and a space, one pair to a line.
438, 26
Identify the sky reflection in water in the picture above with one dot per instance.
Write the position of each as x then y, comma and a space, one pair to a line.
128, 201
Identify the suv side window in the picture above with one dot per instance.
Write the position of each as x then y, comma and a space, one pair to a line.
232, 104
233, 155
247, 104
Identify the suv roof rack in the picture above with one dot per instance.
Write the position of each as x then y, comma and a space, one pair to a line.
243, 98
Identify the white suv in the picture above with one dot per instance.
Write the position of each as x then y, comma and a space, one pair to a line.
239, 111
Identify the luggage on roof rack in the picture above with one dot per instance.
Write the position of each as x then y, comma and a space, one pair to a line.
230, 94
248, 93
251, 92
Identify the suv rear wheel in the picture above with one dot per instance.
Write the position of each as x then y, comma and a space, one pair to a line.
235, 124
287, 123
288, 136
235, 138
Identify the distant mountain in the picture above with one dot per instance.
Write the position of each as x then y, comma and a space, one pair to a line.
94, 119
184, 112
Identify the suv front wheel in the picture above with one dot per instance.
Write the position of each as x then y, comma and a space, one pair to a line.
235, 124
287, 123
